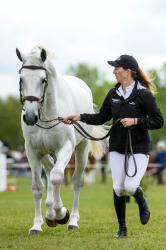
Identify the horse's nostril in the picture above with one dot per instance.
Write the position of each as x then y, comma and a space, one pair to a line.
24, 118
36, 118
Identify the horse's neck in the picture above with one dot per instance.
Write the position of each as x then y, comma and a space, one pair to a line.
52, 98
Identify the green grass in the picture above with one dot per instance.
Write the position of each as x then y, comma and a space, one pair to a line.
97, 223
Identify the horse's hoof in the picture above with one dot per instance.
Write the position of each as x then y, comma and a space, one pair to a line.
34, 232
72, 227
51, 223
65, 219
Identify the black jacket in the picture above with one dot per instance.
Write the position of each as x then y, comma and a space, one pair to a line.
140, 104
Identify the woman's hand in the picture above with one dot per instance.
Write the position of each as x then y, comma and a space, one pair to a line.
127, 122
70, 119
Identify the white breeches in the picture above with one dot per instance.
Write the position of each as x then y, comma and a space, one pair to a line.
121, 182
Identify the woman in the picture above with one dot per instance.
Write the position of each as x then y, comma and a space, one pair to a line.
131, 105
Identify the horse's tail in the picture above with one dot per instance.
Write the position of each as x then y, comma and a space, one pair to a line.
98, 148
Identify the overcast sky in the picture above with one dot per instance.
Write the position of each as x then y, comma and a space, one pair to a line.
90, 31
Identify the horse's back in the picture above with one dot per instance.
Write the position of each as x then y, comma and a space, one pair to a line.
78, 83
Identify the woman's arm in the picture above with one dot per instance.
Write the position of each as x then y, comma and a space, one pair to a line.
154, 119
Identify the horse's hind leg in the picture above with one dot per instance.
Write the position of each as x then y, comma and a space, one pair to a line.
81, 153
48, 163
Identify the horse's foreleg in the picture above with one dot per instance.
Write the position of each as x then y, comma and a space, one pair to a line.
57, 176
78, 178
48, 163
37, 189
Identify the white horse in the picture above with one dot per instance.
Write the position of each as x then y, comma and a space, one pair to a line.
46, 95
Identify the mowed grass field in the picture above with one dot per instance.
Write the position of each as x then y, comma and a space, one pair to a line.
97, 223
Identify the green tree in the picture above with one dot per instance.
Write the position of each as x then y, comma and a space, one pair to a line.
10, 131
163, 75
90, 75
100, 92
154, 75
159, 79
10, 108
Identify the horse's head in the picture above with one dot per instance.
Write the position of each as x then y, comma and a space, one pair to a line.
33, 83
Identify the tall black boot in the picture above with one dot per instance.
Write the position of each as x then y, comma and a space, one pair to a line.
120, 208
144, 211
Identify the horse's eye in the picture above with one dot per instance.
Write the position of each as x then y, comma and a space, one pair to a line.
44, 80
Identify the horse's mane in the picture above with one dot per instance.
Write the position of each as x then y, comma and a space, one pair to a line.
35, 51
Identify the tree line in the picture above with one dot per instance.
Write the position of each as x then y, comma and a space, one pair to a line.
10, 108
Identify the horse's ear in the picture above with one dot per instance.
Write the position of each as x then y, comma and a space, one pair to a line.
19, 55
43, 55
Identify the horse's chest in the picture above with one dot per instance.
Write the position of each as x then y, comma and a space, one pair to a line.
46, 142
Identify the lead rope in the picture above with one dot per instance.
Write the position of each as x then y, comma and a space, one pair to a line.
127, 156
80, 130
77, 127
86, 135
46, 121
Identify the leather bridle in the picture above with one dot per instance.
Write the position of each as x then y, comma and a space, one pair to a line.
33, 98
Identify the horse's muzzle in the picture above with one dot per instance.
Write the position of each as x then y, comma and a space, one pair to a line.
30, 120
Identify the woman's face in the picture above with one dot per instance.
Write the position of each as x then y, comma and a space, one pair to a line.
121, 74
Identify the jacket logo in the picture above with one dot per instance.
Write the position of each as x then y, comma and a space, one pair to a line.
132, 103
115, 100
